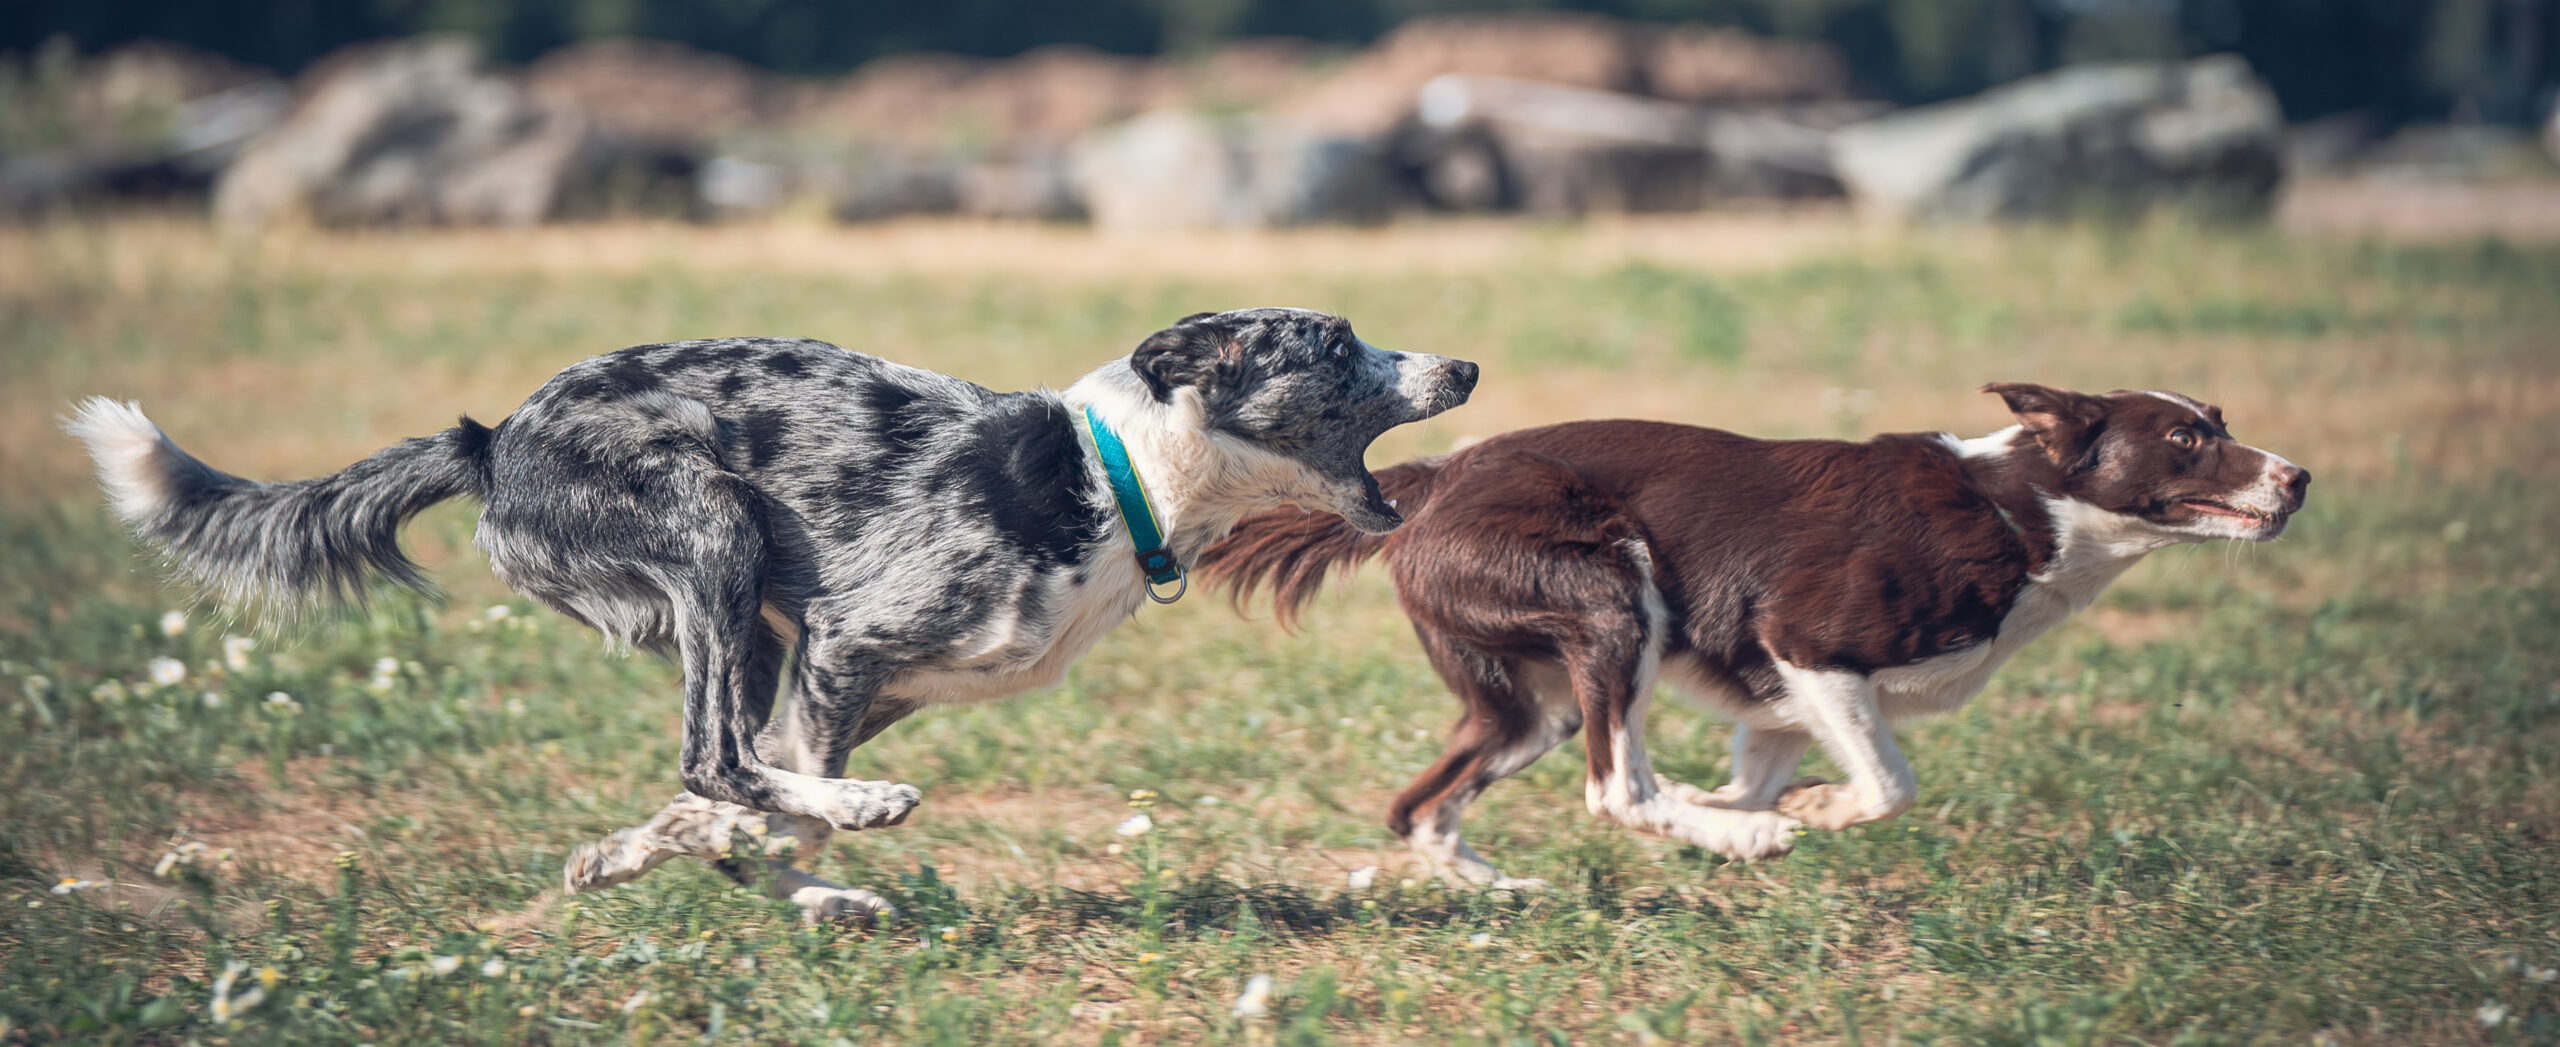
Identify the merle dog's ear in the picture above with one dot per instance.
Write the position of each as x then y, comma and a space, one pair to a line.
2065, 423
1186, 353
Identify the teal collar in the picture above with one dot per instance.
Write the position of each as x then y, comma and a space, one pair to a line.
1131, 492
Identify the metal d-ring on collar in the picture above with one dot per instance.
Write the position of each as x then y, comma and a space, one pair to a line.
1140, 514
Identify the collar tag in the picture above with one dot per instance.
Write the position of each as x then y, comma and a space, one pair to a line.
1135, 510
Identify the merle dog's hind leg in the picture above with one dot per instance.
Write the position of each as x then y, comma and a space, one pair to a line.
688, 825
718, 626
812, 736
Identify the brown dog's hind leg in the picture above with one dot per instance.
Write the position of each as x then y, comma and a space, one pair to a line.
1506, 727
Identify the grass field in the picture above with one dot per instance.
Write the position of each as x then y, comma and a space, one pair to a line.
2299, 793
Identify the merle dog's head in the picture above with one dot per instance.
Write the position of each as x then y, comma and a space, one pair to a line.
2161, 457
1300, 385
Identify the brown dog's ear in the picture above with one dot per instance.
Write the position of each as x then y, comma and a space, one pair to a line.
2065, 423
1186, 353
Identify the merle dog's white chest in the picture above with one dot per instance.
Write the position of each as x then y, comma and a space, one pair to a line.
1030, 644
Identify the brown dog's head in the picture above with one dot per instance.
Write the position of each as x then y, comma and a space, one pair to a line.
2161, 457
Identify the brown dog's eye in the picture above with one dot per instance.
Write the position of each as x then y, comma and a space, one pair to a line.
2184, 438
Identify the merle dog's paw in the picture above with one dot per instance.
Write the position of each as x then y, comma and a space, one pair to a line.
869, 805
596, 866
848, 905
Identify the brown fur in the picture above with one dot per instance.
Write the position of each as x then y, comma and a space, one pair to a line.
1530, 552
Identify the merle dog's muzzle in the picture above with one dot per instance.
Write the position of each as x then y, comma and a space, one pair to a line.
1428, 386
1455, 382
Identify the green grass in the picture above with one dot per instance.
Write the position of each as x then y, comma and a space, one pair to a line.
2283, 794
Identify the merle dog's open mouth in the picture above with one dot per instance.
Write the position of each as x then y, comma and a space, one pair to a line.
2253, 516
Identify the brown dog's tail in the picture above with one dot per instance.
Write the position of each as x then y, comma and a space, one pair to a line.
1294, 550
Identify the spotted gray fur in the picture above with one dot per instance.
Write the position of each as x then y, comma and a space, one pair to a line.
786, 516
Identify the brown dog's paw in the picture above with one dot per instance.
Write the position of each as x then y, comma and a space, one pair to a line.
1821, 804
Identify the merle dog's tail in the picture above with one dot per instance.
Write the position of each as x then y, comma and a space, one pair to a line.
1295, 550
286, 545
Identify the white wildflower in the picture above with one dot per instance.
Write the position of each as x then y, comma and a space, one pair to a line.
497, 613
183, 854
1209, 801
281, 700
35, 686
386, 672
211, 699
235, 652
173, 623
1364, 877
1480, 940
444, 965
493, 967
2490, 1014
638, 1000
2545, 975
227, 1006
74, 883
166, 671
1137, 825
1255, 1001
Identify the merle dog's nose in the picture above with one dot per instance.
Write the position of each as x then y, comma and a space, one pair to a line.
1464, 374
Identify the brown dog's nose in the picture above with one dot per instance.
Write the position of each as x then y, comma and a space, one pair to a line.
2295, 479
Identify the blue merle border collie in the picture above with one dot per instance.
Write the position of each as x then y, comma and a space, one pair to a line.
786, 515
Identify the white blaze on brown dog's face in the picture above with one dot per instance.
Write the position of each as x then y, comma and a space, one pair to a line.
2162, 457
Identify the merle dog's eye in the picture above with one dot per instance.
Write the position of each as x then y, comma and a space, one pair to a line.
2184, 438
1341, 349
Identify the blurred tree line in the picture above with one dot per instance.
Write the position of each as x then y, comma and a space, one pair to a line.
2395, 59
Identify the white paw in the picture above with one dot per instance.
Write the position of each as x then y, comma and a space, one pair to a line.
596, 866
851, 905
1760, 837
867, 805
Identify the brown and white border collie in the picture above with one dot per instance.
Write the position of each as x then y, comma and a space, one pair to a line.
1810, 589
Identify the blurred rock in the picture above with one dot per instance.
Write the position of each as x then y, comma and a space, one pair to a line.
1376, 89
2452, 153
1039, 188
1703, 64
2329, 145
890, 187
1041, 99
147, 122
1175, 170
2114, 137
650, 91
1481, 142
409, 132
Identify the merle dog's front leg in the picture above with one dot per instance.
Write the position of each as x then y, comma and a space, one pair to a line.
729, 696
